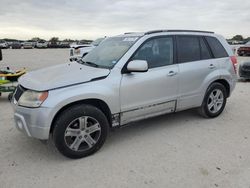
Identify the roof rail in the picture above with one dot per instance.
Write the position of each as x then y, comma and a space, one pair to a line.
155, 31
197, 31
159, 31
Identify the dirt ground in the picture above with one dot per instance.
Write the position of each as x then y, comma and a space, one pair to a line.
173, 151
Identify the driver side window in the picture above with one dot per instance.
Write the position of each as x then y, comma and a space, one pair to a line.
157, 52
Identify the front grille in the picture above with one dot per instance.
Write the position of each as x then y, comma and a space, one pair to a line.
19, 91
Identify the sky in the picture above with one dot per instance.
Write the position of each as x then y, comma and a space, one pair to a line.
90, 19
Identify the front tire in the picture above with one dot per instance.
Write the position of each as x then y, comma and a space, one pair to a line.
10, 96
80, 131
214, 101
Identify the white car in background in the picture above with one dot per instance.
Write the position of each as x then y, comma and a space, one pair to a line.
28, 45
3, 44
42, 44
78, 51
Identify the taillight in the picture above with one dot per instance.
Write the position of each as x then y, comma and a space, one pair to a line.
234, 62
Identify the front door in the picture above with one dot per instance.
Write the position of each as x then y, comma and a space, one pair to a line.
154, 92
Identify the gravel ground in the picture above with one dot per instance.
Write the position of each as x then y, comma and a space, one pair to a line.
175, 150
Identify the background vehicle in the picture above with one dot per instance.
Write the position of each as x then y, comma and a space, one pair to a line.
244, 70
16, 45
125, 79
53, 44
244, 50
3, 44
78, 51
28, 45
64, 45
42, 44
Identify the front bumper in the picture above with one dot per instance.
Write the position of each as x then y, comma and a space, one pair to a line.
34, 122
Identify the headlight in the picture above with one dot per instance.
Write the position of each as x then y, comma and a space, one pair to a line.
32, 99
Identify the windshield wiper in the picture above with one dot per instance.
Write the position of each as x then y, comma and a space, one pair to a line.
92, 64
88, 63
80, 61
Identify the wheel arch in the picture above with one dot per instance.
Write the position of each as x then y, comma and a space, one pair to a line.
225, 84
100, 104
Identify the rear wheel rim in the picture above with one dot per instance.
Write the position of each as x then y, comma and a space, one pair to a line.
82, 133
215, 101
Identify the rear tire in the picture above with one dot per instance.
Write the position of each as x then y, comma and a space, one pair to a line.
80, 130
214, 101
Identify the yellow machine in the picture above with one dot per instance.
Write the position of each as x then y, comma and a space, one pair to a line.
8, 79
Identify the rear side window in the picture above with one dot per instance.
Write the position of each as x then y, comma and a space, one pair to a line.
216, 47
188, 48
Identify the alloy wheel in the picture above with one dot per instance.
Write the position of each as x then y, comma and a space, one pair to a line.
215, 101
82, 133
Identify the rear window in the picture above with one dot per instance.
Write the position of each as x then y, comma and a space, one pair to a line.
205, 52
188, 49
216, 47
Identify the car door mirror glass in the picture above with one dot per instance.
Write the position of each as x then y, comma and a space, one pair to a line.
137, 66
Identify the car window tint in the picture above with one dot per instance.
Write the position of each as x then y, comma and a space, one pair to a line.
216, 47
188, 48
205, 53
157, 52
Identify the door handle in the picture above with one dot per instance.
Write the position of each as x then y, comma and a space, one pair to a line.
172, 73
211, 66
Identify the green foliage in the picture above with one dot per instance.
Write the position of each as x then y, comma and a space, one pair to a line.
36, 39
247, 39
238, 38
54, 39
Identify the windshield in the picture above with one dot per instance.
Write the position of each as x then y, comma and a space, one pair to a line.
97, 41
109, 52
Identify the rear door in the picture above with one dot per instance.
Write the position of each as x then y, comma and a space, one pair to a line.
196, 62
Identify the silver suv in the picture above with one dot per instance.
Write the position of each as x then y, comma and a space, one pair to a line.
126, 78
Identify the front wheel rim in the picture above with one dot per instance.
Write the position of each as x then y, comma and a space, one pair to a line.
82, 133
215, 101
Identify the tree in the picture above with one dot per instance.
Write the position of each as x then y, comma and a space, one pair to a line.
36, 39
68, 40
54, 40
247, 39
238, 38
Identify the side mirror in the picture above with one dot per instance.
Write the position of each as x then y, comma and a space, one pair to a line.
137, 66
1, 56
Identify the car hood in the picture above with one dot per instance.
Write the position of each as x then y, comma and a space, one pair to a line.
61, 76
